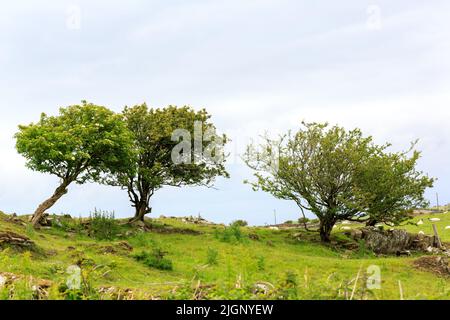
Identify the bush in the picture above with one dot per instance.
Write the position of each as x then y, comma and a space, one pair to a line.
68, 224
233, 233
154, 259
103, 225
86, 289
303, 220
261, 263
239, 223
288, 287
212, 256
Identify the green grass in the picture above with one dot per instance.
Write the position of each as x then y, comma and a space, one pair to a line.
322, 272
427, 226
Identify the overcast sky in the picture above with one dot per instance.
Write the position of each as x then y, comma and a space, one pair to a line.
255, 65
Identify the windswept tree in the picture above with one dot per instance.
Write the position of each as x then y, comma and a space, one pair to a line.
83, 143
176, 146
337, 175
388, 187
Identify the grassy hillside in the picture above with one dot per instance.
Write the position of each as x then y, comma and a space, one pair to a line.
208, 262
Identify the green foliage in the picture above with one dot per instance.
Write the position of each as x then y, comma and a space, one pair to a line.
230, 234
86, 291
337, 175
68, 224
287, 288
83, 143
399, 187
212, 256
79, 144
261, 263
19, 290
363, 250
303, 220
103, 225
240, 223
155, 139
155, 259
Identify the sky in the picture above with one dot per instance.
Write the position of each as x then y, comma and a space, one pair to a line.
256, 65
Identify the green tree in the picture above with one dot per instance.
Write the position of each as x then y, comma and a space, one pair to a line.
389, 186
164, 160
330, 172
81, 144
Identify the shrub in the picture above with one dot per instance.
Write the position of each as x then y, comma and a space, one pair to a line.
86, 289
212, 256
363, 251
303, 220
154, 259
288, 287
233, 233
239, 223
103, 225
261, 263
68, 223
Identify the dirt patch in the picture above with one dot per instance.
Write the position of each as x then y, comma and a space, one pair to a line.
436, 264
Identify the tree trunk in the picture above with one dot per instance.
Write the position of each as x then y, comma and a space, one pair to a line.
371, 222
325, 230
47, 204
142, 208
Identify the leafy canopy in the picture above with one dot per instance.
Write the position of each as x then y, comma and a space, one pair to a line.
153, 131
388, 186
338, 174
175, 147
79, 144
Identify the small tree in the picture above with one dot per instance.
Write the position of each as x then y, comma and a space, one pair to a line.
330, 172
80, 144
165, 161
389, 186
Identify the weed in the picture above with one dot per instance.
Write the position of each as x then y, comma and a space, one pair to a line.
261, 263
155, 259
230, 234
103, 225
212, 256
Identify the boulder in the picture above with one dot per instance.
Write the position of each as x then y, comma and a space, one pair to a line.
386, 242
392, 241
